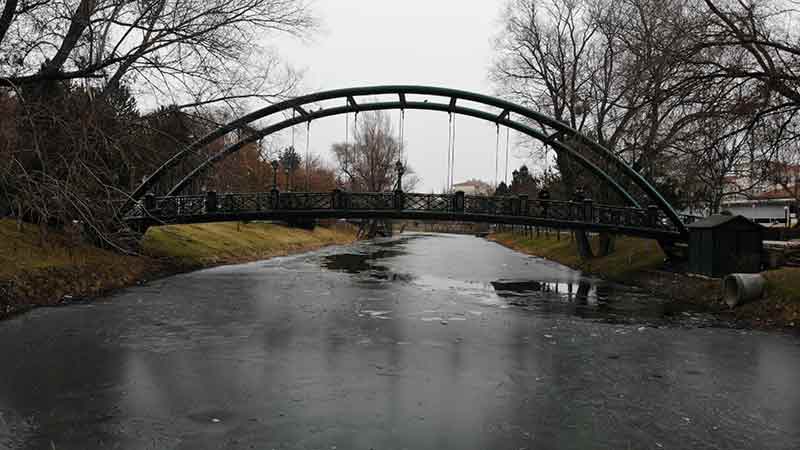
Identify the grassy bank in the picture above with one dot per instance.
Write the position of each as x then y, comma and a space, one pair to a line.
43, 269
631, 255
39, 268
641, 262
226, 243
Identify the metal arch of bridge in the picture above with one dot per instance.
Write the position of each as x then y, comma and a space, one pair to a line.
302, 106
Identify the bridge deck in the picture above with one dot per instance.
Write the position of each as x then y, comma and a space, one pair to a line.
518, 210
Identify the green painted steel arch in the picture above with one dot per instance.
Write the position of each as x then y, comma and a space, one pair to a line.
302, 105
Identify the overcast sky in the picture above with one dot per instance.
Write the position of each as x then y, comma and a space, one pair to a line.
444, 43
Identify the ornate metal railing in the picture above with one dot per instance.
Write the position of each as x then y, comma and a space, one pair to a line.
501, 208
305, 201
243, 202
428, 202
366, 201
178, 206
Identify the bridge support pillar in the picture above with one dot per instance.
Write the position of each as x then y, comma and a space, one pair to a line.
458, 202
211, 202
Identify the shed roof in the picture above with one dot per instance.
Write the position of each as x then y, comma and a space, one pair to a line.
719, 220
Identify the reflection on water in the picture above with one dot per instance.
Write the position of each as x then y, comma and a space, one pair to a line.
366, 262
581, 290
577, 295
353, 263
587, 298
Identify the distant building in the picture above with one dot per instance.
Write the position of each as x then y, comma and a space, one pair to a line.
474, 187
764, 199
775, 206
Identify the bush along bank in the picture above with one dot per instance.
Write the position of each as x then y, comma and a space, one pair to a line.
641, 262
48, 268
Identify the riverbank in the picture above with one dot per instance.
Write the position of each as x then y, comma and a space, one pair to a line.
52, 269
640, 262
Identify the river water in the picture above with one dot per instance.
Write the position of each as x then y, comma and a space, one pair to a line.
421, 341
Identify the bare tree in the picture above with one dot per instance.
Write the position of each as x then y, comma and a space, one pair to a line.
554, 57
766, 64
71, 71
639, 77
183, 52
368, 164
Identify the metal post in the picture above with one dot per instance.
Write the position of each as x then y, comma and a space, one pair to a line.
399, 200
544, 196
345, 199
458, 201
588, 210
652, 215
523, 205
275, 198
274, 165
400, 171
575, 205
211, 202
515, 206
336, 199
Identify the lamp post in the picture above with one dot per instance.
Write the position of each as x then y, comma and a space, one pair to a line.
274, 164
288, 181
400, 171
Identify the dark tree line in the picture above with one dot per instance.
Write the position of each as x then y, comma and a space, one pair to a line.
74, 138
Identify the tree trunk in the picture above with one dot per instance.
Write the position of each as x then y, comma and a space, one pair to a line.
6, 17
80, 20
568, 177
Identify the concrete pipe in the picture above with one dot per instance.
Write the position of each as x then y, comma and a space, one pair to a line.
739, 288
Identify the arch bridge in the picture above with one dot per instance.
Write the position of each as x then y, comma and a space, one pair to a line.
644, 211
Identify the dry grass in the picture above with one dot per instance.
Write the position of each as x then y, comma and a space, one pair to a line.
784, 284
28, 249
216, 243
631, 255
782, 303
41, 269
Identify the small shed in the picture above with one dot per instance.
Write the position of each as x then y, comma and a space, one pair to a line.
720, 245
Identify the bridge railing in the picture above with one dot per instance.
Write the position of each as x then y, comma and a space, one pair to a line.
186, 205
367, 201
476, 204
261, 201
171, 209
305, 201
428, 202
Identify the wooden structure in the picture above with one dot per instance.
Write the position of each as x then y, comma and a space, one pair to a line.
720, 245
